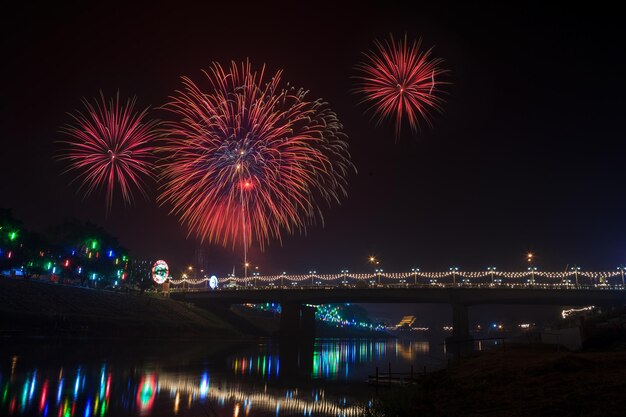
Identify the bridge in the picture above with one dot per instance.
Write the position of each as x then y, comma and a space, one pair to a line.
298, 294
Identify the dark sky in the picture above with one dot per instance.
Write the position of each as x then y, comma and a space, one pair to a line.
528, 154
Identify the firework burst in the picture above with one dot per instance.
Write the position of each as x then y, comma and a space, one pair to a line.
111, 146
401, 81
249, 159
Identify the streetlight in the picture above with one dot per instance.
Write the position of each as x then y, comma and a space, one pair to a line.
621, 269
492, 270
312, 273
530, 256
256, 277
185, 281
454, 270
532, 270
415, 271
344, 273
575, 270
378, 272
282, 280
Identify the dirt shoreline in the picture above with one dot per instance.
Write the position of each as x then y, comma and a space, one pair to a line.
519, 381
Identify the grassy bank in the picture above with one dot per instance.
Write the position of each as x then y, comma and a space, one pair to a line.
31, 309
521, 381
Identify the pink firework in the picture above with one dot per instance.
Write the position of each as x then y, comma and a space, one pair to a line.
401, 81
248, 159
111, 146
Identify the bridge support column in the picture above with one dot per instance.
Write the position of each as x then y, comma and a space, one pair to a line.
297, 337
289, 319
297, 321
307, 321
460, 342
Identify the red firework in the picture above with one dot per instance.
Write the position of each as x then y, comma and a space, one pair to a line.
401, 81
248, 159
111, 146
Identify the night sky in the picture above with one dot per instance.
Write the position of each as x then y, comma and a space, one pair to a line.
527, 156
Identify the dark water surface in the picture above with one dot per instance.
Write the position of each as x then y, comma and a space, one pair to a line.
327, 378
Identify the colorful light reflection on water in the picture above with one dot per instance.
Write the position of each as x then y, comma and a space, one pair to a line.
146, 393
242, 386
153, 394
266, 366
338, 359
32, 393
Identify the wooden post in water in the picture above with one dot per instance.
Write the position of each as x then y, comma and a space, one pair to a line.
377, 376
389, 373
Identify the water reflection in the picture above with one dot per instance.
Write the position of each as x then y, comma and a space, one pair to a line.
228, 384
266, 366
335, 359
146, 393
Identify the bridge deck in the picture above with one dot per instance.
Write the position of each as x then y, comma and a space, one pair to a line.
468, 295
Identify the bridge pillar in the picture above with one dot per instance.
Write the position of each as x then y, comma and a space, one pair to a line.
307, 320
297, 321
460, 342
289, 319
460, 321
297, 337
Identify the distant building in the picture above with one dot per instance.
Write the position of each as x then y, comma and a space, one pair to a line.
141, 270
406, 322
202, 258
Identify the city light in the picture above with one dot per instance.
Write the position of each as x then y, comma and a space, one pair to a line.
566, 313
532, 276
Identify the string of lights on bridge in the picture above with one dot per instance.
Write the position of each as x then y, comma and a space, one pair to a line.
415, 276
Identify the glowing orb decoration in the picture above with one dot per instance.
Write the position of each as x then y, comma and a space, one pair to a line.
160, 272
213, 282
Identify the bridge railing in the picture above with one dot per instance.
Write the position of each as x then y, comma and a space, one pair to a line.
451, 279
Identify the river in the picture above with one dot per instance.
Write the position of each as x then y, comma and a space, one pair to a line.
235, 379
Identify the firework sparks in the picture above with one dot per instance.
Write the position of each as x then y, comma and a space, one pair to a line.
111, 146
401, 81
249, 159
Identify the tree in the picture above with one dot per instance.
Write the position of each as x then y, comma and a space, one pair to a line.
11, 241
87, 252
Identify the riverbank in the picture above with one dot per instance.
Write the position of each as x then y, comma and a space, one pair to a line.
39, 310
267, 323
519, 381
